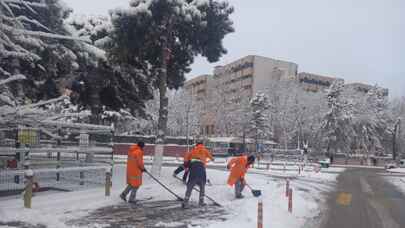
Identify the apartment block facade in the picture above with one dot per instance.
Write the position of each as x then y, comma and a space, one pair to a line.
233, 85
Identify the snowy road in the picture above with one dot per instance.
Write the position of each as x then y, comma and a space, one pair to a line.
364, 199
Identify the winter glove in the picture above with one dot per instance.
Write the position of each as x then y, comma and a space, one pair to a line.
143, 170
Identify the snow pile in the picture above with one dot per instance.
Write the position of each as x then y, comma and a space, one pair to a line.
396, 170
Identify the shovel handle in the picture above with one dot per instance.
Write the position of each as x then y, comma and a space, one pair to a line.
164, 186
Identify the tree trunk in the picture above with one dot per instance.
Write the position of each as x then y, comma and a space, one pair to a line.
164, 103
394, 144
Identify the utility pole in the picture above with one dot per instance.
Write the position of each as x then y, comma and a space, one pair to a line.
396, 132
399, 141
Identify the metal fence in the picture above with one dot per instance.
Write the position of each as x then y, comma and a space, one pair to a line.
63, 159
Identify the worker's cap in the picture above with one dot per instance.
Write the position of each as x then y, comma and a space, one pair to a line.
141, 144
251, 159
199, 142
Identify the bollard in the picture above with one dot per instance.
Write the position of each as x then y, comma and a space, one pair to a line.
290, 205
81, 177
299, 170
107, 183
268, 166
58, 166
29, 175
287, 187
260, 214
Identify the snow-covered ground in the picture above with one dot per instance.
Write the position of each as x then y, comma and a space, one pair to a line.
397, 178
59, 209
397, 170
398, 182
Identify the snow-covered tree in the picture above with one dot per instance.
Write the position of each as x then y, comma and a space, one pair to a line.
259, 120
395, 137
35, 43
162, 38
107, 86
337, 128
370, 120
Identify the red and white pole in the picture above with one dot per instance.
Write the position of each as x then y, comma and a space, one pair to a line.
290, 205
260, 214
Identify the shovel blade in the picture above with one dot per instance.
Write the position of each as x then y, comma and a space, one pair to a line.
256, 193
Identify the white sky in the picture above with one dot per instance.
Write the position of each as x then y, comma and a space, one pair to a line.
358, 40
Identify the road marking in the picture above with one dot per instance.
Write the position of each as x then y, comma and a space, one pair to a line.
344, 199
384, 214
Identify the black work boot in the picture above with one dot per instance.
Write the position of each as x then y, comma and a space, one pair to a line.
240, 196
185, 204
201, 203
123, 197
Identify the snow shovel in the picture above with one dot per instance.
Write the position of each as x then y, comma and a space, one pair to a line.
213, 201
164, 186
255, 192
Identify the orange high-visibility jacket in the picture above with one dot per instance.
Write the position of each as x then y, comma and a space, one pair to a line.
186, 158
135, 166
201, 153
239, 167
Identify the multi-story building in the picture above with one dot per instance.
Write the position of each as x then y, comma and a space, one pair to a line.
234, 84
197, 87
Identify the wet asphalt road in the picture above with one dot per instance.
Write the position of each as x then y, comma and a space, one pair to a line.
363, 199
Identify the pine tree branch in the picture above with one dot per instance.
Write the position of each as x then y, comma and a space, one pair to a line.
41, 103
7, 8
4, 72
13, 78
34, 22
29, 7
17, 32
33, 4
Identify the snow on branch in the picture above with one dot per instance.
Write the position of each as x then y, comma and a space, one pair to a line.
4, 72
13, 78
25, 3
32, 21
41, 103
51, 35
29, 7
66, 115
6, 100
76, 125
42, 34
7, 8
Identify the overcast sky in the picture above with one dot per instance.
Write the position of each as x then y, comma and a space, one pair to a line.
358, 40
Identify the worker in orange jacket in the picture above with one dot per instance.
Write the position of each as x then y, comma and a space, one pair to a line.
198, 159
239, 166
135, 168
184, 167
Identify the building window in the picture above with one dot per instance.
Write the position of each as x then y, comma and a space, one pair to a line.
247, 87
201, 91
314, 81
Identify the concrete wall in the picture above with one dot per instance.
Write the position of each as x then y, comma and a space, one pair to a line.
268, 71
